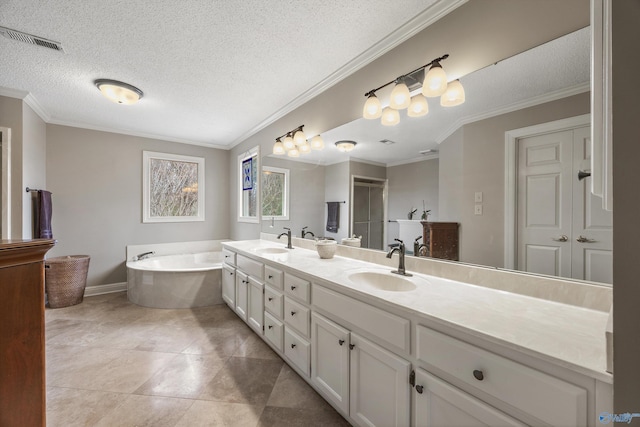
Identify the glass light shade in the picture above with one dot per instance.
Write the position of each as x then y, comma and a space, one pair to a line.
278, 148
288, 143
418, 106
317, 143
304, 148
372, 108
299, 138
293, 152
435, 82
454, 95
390, 117
118, 92
345, 146
400, 97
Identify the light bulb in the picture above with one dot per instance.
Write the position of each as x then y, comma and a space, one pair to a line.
317, 143
299, 138
400, 97
293, 152
372, 108
418, 106
390, 117
454, 95
435, 82
288, 143
304, 148
278, 148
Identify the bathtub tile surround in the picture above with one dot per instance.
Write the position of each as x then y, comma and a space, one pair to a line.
111, 362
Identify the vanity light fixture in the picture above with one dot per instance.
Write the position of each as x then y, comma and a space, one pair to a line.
346, 146
294, 143
434, 84
118, 92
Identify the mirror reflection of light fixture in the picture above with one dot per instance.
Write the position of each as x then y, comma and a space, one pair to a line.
454, 95
346, 146
433, 84
294, 143
118, 92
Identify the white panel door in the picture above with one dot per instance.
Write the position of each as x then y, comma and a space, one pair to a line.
380, 390
229, 286
562, 228
242, 282
255, 305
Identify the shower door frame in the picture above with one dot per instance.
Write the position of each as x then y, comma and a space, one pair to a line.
385, 200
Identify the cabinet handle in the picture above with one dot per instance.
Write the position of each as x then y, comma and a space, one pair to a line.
270, 276
583, 239
270, 326
293, 346
419, 389
270, 299
478, 375
293, 288
351, 346
340, 342
562, 238
293, 313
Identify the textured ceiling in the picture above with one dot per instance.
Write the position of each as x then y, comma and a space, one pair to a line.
212, 71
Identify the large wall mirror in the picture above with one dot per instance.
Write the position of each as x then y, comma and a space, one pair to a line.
528, 113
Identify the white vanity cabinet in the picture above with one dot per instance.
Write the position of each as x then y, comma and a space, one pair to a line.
242, 285
255, 305
229, 285
249, 303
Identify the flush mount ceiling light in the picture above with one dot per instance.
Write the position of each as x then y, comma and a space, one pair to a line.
346, 146
294, 143
434, 84
119, 92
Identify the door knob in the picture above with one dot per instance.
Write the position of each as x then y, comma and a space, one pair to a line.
583, 239
479, 375
562, 238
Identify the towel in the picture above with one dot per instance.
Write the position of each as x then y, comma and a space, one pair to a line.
333, 216
44, 209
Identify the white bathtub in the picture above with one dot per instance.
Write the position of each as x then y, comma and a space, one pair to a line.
176, 281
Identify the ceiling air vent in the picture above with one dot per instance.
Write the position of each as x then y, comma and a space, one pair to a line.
31, 39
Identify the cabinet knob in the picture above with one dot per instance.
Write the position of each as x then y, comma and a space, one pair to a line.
293, 346
230, 274
340, 342
270, 276
351, 346
270, 298
419, 389
478, 375
293, 288
293, 313
270, 326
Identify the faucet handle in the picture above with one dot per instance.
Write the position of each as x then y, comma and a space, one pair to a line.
305, 227
417, 238
287, 228
399, 241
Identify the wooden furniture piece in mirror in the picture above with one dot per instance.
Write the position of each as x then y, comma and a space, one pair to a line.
22, 357
441, 239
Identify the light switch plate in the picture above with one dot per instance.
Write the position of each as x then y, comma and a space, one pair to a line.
478, 210
478, 197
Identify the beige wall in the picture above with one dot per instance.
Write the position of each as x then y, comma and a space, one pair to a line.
11, 117
34, 151
451, 177
337, 190
96, 180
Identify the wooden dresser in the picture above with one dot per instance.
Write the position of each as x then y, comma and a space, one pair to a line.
441, 239
22, 357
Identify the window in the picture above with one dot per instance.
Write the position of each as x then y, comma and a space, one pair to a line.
275, 193
248, 185
173, 188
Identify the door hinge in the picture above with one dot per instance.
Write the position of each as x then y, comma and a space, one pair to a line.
412, 378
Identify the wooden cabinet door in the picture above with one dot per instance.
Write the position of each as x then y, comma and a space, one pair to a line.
255, 306
439, 404
330, 360
242, 283
229, 286
380, 389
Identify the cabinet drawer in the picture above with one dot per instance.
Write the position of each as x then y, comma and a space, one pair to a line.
297, 287
249, 266
297, 316
228, 257
273, 277
273, 331
551, 400
273, 301
391, 330
297, 349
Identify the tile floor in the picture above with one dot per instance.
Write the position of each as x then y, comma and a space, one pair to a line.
112, 363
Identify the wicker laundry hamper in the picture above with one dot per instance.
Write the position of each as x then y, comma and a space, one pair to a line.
65, 279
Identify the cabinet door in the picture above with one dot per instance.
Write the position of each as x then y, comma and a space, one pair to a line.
255, 311
229, 286
437, 403
380, 387
242, 282
330, 360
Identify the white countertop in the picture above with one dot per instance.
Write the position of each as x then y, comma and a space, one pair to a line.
569, 336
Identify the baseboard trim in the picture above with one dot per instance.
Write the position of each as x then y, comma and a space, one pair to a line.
105, 289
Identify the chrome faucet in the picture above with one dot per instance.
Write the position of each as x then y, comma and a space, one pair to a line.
143, 256
401, 250
417, 246
288, 234
304, 232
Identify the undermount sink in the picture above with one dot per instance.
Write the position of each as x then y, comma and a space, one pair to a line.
271, 251
382, 281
